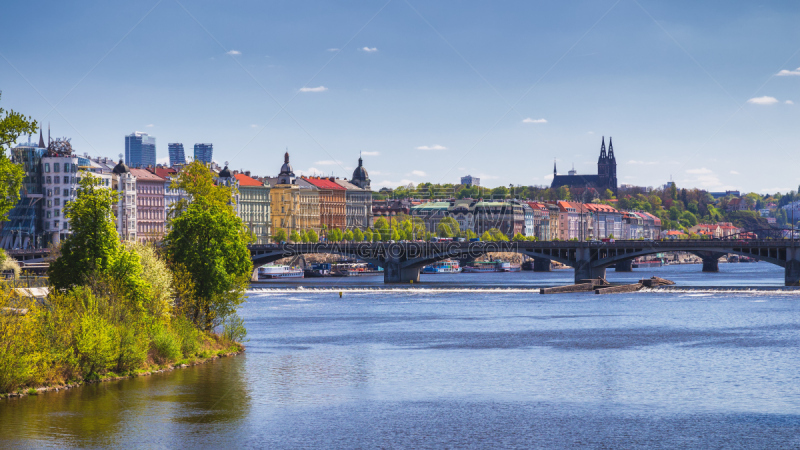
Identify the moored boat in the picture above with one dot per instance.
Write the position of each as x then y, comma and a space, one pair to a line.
446, 266
491, 266
355, 270
318, 270
273, 271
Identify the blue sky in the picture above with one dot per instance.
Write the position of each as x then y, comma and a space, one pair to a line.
428, 91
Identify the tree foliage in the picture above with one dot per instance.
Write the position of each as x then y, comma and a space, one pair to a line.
12, 126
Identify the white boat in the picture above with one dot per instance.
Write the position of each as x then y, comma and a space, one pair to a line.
491, 266
272, 271
446, 266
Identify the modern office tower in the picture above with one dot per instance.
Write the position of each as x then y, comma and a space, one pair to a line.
140, 150
176, 154
203, 152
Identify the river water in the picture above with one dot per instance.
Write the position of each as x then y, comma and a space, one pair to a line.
455, 367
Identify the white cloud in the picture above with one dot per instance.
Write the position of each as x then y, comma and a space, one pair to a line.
253, 125
483, 177
328, 162
529, 120
432, 147
776, 189
643, 163
549, 176
234, 52
369, 49
314, 89
733, 172
333, 49
701, 171
788, 73
150, 125
370, 153
378, 172
789, 102
164, 160
418, 173
394, 184
765, 100
591, 132
311, 171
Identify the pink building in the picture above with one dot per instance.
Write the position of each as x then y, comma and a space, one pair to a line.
150, 210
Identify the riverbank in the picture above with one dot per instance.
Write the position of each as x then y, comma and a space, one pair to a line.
233, 350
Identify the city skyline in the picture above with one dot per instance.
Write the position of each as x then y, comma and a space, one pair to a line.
686, 96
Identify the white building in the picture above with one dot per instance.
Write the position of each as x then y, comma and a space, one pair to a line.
59, 186
470, 180
124, 182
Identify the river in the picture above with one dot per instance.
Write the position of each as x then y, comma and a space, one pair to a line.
454, 367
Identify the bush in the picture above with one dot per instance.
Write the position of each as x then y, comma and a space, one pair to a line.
233, 328
95, 343
132, 351
189, 336
166, 346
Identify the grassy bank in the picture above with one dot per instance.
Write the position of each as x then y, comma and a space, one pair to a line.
80, 336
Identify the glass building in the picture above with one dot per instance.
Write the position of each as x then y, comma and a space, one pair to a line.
24, 226
140, 150
203, 152
176, 154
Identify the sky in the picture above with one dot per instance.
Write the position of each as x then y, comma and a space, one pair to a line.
704, 93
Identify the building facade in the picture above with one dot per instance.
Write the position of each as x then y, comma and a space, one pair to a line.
332, 202
140, 150
358, 210
24, 226
254, 207
60, 174
150, 206
124, 183
469, 180
204, 152
176, 154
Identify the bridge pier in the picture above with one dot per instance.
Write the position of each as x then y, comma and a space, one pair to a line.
541, 265
710, 264
394, 272
792, 268
626, 265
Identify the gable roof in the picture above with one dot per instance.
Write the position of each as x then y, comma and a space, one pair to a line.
245, 180
324, 183
145, 175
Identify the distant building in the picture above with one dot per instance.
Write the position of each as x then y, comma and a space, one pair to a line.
360, 177
203, 152
124, 182
176, 154
717, 195
469, 180
24, 226
606, 177
150, 205
254, 207
358, 205
140, 150
332, 202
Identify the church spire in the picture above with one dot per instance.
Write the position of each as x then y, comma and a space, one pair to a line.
603, 149
554, 167
41, 139
610, 149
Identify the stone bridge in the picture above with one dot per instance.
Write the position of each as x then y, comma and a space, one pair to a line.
402, 261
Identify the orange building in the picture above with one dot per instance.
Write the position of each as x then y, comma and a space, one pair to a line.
332, 202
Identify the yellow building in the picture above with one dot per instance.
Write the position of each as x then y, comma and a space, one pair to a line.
284, 198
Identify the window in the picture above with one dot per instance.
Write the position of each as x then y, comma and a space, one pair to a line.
47, 224
57, 212
66, 225
55, 224
47, 216
49, 203
49, 192
57, 202
47, 167
55, 167
49, 180
57, 179
66, 167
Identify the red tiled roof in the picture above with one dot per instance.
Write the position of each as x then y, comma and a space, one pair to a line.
163, 172
324, 183
145, 175
244, 180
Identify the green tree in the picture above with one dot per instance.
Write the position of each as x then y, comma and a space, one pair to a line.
469, 234
376, 236
280, 236
94, 244
367, 235
303, 236
295, 236
358, 236
519, 237
198, 182
443, 230
312, 236
452, 223
348, 236
209, 241
12, 126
